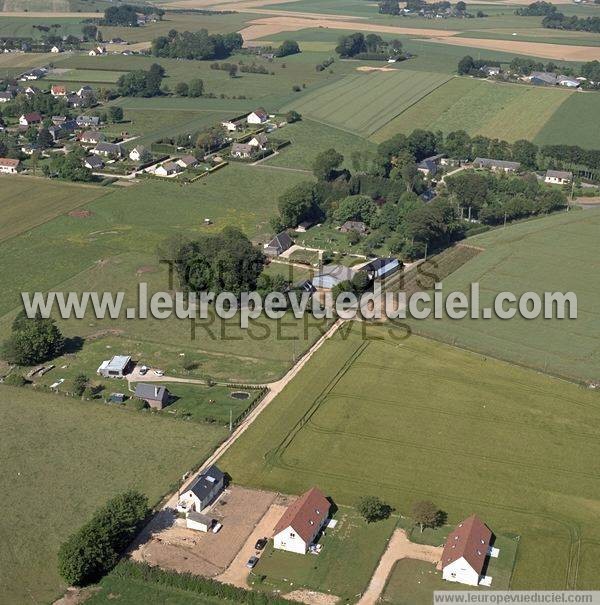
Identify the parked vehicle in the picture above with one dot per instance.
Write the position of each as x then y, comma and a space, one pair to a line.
217, 527
144, 370
260, 544
252, 561
159, 372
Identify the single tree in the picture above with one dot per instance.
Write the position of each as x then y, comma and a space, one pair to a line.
426, 514
372, 509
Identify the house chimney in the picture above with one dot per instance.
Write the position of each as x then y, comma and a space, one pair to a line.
156, 392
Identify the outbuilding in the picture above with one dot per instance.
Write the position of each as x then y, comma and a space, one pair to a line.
198, 521
117, 367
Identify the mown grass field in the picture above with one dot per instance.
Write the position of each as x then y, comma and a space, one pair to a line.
63, 458
22, 27
364, 102
93, 76
27, 202
409, 418
552, 254
574, 123
504, 111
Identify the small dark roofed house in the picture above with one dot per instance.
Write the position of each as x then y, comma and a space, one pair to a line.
382, 267
280, 243
302, 522
543, 78
187, 161
156, 396
429, 165
242, 150
198, 494
94, 162
6, 96
108, 149
466, 551
496, 165
357, 226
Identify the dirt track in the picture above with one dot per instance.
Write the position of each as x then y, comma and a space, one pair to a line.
562, 52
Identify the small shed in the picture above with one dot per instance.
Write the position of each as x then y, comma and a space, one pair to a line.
198, 521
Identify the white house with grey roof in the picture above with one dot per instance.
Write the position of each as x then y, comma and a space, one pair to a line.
496, 165
332, 275
558, 177
280, 243
117, 367
198, 494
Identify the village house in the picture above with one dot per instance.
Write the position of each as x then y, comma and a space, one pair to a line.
496, 165
31, 91
117, 367
491, 70
93, 162
202, 490
137, 153
55, 49
87, 121
85, 91
301, 523
6, 96
156, 396
542, 78
58, 90
167, 169
429, 166
230, 125
28, 119
113, 150
9, 166
357, 226
260, 141
466, 551
98, 50
187, 161
280, 243
242, 150
558, 177
258, 116
92, 137
331, 276
568, 82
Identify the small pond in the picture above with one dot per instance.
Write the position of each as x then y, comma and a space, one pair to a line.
240, 395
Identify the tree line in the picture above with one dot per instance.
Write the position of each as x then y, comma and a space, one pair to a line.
371, 46
553, 19
125, 15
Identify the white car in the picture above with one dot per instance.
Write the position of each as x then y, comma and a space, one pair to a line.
159, 372
143, 370
217, 527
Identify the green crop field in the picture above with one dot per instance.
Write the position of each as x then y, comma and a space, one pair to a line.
504, 111
557, 253
27, 202
61, 459
364, 102
308, 138
409, 418
575, 122
92, 76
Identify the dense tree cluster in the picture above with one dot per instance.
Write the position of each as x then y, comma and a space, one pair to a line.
370, 46
389, 7
141, 83
96, 548
44, 104
468, 66
32, 341
560, 21
287, 47
196, 45
536, 9
220, 262
125, 15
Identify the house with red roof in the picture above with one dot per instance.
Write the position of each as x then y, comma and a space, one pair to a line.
57, 90
466, 551
302, 522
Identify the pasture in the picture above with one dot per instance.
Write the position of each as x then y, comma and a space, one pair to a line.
364, 102
27, 202
556, 254
409, 419
91, 76
63, 458
23, 27
574, 123
504, 111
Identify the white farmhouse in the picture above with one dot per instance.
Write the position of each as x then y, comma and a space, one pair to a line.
466, 551
558, 177
136, 153
258, 116
202, 490
302, 522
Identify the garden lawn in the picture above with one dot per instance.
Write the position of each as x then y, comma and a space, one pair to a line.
365, 102
62, 459
374, 412
27, 202
343, 568
504, 111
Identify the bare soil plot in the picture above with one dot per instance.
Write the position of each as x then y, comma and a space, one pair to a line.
561, 52
184, 550
267, 26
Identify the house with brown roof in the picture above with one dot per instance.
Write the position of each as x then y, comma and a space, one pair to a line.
9, 166
27, 119
466, 551
258, 116
302, 522
58, 90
